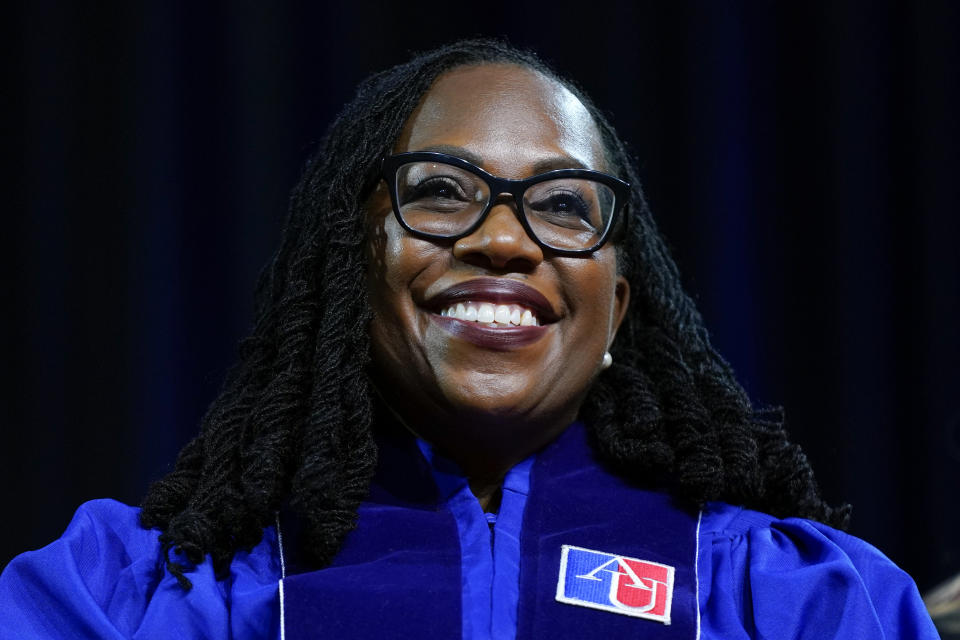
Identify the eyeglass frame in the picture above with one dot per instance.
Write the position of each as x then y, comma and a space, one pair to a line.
498, 186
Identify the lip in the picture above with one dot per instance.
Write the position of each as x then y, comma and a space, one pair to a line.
496, 291
497, 339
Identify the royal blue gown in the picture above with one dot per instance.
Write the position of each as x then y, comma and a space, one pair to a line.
425, 561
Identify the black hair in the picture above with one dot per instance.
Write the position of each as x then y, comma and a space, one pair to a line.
292, 425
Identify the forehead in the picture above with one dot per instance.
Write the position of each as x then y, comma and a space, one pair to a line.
510, 117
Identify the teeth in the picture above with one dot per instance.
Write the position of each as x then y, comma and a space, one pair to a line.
487, 313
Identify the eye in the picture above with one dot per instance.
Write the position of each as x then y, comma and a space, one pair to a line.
567, 204
435, 189
426, 189
563, 207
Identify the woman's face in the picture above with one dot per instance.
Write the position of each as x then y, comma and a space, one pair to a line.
463, 383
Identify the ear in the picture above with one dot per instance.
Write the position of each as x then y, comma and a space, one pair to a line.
621, 301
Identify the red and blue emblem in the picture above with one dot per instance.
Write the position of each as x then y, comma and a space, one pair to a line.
615, 583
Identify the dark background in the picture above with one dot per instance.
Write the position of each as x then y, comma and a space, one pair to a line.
802, 159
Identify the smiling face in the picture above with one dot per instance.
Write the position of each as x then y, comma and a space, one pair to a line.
490, 393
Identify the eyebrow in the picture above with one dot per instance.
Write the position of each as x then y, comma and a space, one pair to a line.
541, 166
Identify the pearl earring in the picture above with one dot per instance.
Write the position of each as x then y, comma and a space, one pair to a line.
607, 361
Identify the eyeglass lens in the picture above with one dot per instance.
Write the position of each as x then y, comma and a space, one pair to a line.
444, 200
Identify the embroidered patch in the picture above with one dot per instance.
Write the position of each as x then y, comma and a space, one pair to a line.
615, 583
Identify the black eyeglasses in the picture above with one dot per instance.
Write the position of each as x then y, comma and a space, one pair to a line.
569, 211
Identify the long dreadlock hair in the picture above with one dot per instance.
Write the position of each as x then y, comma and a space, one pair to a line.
293, 423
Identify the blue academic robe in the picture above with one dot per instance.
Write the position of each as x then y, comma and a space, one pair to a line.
425, 561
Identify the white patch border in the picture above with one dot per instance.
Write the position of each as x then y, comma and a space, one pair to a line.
561, 584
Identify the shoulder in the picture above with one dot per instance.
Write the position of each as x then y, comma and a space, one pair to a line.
112, 529
105, 578
763, 576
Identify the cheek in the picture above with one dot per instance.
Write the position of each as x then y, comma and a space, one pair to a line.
404, 263
399, 264
388, 263
593, 297
382, 288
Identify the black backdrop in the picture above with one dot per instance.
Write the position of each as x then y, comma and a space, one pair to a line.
801, 158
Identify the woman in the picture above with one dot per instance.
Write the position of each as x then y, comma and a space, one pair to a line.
521, 430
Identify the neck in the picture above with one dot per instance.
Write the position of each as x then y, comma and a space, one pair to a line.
483, 447
488, 493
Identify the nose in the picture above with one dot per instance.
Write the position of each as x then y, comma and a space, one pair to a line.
500, 242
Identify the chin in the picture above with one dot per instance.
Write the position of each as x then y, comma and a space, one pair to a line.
506, 409
496, 392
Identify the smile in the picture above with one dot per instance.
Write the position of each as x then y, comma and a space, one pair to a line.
493, 313
504, 315
502, 301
